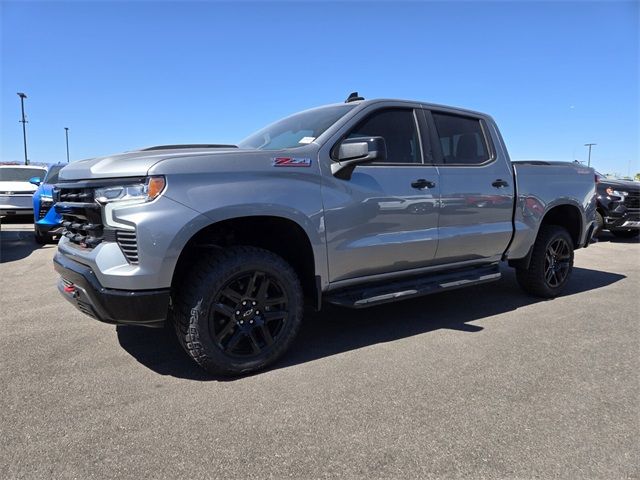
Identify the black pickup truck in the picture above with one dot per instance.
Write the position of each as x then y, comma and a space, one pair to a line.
618, 207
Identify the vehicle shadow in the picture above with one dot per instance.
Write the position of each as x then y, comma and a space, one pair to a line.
16, 239
611, 238
337, 330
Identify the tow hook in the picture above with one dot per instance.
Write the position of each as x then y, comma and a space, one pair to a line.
71, 288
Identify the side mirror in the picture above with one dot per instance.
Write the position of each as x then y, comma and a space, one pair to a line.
358, 151
35, 181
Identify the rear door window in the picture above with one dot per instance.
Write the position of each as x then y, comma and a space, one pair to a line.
462, 139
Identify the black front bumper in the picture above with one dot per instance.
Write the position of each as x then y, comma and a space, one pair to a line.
79, 285
626, 221
48, 229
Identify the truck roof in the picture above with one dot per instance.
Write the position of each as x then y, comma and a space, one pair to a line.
413, 102
18, 165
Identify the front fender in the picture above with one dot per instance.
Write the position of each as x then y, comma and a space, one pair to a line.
290, 195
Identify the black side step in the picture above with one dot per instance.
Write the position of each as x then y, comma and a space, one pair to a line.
378, 293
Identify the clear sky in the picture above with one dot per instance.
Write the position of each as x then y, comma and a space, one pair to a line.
122, 75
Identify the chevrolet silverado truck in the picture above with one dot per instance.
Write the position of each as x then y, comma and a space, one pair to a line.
618, 207
353, 204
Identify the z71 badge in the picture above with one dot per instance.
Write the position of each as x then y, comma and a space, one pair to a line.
291, 162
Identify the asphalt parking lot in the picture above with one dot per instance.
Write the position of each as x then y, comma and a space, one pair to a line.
479, 383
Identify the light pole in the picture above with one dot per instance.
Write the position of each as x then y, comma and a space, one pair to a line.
24, 128
589, 145
66, 134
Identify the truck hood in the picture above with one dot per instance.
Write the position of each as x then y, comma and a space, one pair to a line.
17, 187
621, 184
135, 164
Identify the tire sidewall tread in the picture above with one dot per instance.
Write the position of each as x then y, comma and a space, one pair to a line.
197, 289
532, 279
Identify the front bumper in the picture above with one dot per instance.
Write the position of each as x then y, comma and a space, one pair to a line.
16, 204
626, 221
79, 285
48, 229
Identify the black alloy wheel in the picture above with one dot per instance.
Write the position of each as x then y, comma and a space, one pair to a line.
557, 262
248, 314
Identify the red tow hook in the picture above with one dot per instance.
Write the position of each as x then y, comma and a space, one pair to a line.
69, 288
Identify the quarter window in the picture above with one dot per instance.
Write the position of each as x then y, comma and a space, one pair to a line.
461, 139
398, 128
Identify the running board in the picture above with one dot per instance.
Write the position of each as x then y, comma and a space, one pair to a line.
379, 293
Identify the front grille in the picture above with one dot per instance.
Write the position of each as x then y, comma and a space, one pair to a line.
80, 195
82, 222
21, 192
633, 213
632, 200
45, 205
128, 244
81, 216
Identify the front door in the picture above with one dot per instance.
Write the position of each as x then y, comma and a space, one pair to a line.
385, 217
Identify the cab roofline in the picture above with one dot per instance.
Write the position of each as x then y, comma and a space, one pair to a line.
409, 103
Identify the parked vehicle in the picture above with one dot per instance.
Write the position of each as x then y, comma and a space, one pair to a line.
46, 221
618, 207
16, 190
230, 242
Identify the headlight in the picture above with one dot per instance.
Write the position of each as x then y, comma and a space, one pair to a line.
616, 193
133, 192
46, 199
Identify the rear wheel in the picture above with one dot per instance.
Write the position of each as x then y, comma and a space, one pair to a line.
238, 310
551, 263
626, 233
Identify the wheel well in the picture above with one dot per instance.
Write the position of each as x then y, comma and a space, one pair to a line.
566, 216
282, 236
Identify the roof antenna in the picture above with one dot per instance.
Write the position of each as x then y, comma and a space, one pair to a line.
353, 97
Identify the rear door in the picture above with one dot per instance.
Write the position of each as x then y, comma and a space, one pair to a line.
476, 189
385, 217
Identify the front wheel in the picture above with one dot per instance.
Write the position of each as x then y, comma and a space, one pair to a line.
599, 225
40, 238
238, 310
551, 263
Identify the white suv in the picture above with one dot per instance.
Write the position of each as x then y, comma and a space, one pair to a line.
16, 191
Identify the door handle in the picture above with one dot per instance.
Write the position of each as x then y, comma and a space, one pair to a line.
500, 183
423, 183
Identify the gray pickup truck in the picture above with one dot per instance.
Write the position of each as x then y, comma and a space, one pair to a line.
353, 204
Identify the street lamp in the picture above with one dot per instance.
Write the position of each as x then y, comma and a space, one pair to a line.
24, 128
66, 134
589, 145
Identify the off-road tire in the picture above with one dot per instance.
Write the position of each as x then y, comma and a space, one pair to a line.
199, 289
41, 239
534, 280
599, 225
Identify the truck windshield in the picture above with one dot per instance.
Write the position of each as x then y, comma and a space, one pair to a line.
17, 174
297, 130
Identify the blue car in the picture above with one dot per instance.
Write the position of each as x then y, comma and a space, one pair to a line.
46, 219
